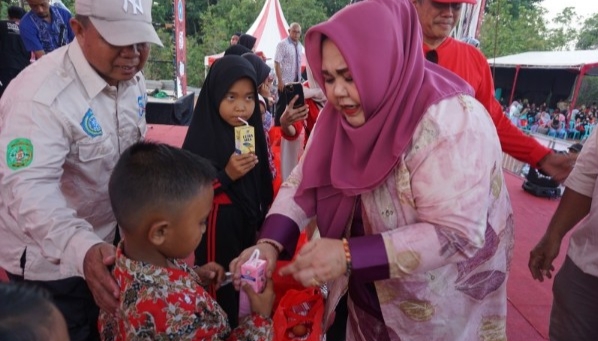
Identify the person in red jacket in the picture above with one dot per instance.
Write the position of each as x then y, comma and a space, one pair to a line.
438, 18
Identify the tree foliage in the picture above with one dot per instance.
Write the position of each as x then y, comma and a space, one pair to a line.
504, 33
515, 9
220, 20
588, 92
588, 36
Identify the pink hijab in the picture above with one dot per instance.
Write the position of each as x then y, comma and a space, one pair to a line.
396, 86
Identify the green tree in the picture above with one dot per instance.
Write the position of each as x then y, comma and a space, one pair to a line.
228, 16
516, 5
563, 34
306, 12
160, 63
588, 36
588, 92
503, 34
218, 21
333, 6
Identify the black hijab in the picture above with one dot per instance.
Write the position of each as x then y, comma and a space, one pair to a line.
247, 40
236, 50
261, 69
211, 137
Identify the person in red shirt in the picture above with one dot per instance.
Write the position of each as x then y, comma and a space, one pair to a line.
161, 197
438, 18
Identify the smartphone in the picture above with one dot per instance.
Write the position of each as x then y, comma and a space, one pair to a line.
293, 89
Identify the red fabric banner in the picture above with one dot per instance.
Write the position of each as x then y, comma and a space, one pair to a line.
180, 48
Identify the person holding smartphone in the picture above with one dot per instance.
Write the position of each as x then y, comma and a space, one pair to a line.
287, 63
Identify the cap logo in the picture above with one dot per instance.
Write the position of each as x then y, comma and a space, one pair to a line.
136, 4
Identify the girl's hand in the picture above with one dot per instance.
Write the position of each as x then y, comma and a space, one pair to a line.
292, 115
318, 261
261, 303
239, 165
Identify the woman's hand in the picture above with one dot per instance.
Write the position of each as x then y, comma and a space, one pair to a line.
267, 252
239, 165
319, 261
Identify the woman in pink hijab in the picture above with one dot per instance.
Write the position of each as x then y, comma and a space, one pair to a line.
403, 176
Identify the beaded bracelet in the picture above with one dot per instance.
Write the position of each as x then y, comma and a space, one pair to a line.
269, 242
347, 257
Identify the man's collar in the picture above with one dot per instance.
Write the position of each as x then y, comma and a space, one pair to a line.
92, 82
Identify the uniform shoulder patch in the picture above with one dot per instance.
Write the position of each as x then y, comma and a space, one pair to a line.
19, 153
90, 124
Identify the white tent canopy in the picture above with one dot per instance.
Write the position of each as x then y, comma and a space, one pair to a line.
269, 28
549, 60
542, 75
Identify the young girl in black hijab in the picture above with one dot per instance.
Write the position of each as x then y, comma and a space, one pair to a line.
243, 190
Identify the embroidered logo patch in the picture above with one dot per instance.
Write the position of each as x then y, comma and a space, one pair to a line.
136, 5
19, 153
141, 104
90, 124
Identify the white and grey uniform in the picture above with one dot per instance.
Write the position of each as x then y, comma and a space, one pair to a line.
62, 129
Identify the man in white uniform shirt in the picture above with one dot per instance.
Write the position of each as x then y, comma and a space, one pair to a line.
287, 64
62, 128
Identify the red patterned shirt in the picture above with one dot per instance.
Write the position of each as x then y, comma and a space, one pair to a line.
159, 303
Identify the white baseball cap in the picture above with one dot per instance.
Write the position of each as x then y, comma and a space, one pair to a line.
121, 22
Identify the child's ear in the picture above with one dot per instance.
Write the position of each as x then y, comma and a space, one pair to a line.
158, 232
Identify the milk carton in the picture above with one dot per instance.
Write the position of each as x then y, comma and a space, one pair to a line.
253, 272
244, 139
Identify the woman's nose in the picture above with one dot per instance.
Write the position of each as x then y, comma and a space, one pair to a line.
339, 90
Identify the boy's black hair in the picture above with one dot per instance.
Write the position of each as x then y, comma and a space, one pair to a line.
150, 176
25, 312
16, 12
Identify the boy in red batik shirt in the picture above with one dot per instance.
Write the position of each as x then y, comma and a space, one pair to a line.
161, 197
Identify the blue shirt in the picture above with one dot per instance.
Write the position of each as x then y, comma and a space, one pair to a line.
30, 33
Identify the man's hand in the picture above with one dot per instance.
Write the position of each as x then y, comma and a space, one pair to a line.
557, 165
210, 273
99, 280
542, 256
280, 85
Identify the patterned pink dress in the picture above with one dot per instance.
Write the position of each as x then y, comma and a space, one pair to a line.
445, 219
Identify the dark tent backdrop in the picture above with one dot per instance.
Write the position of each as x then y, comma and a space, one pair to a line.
543, 76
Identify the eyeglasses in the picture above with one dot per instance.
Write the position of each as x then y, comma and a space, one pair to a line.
454, 6
432, 56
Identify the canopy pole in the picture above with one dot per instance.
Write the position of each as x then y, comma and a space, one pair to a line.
480, 19
582, 72
517, 68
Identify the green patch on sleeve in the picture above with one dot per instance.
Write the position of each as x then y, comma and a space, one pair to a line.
19, 153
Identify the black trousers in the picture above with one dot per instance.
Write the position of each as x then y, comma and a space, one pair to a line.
6, 75
74, 300
338, 329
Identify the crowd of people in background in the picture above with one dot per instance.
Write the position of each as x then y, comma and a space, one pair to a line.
559, 122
